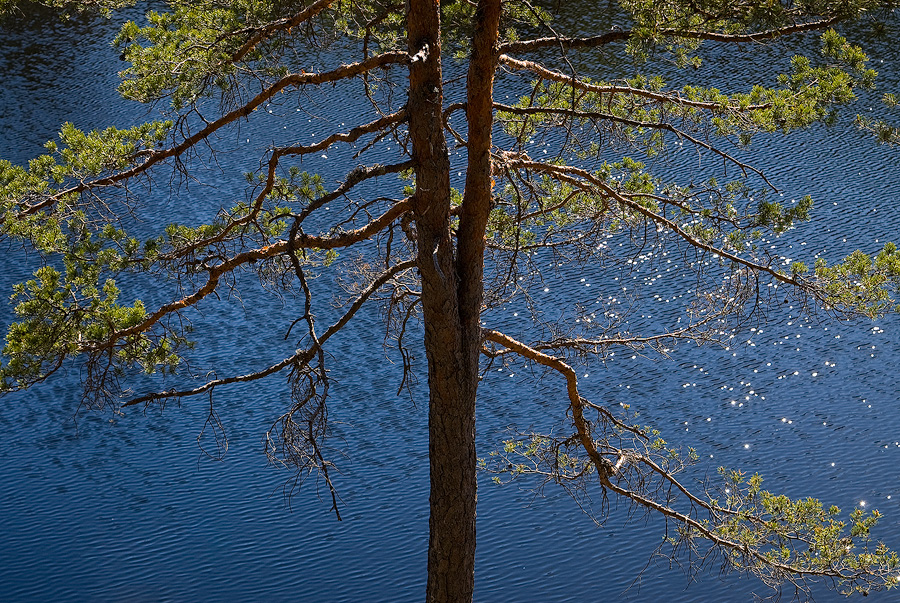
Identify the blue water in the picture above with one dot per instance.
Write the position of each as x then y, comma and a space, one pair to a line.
106, 507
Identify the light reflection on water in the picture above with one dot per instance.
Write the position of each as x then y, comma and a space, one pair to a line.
112, 508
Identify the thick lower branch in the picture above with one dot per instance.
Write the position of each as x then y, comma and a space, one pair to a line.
604, 466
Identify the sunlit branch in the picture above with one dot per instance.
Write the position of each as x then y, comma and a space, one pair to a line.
445, 117
360, 174
265, 32
595, 344
624, 35
585, 180
670, 98
686, 208
761, 36
302, 357
151, 158
350, 136
592, 115
550, 209
564, 43
301, 241
603, 465
355, 177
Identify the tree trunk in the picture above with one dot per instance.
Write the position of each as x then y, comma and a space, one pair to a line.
451, 417
452, 289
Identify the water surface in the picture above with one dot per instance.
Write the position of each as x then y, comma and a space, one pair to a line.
102, 507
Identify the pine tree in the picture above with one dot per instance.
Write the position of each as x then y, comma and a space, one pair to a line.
446, 257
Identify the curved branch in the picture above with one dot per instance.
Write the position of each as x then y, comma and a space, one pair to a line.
604, 467
581, 343
301, 357
154, 157
573, 81
350, 136
355, 177
301, 241
265, 32
624, 35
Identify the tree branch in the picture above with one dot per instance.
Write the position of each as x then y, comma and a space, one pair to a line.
624, 35
586, 180
565, 43
154, 157
760, 36
351, 136
302, 357
573, 81
301, 241
286, 23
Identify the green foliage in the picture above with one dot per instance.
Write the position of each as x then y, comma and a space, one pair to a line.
861, 282
61, 315
58, 175
777, 534
82, 155
885, 133
773, 215
675, 26
70, 7
180, 54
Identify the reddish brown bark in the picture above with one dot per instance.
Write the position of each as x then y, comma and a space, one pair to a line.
451, 289
477, 196
451, 417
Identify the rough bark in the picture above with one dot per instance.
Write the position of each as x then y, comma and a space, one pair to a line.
452, 384
477, 196
452, 287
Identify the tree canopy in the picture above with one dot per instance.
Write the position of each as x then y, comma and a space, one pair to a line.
513, 150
